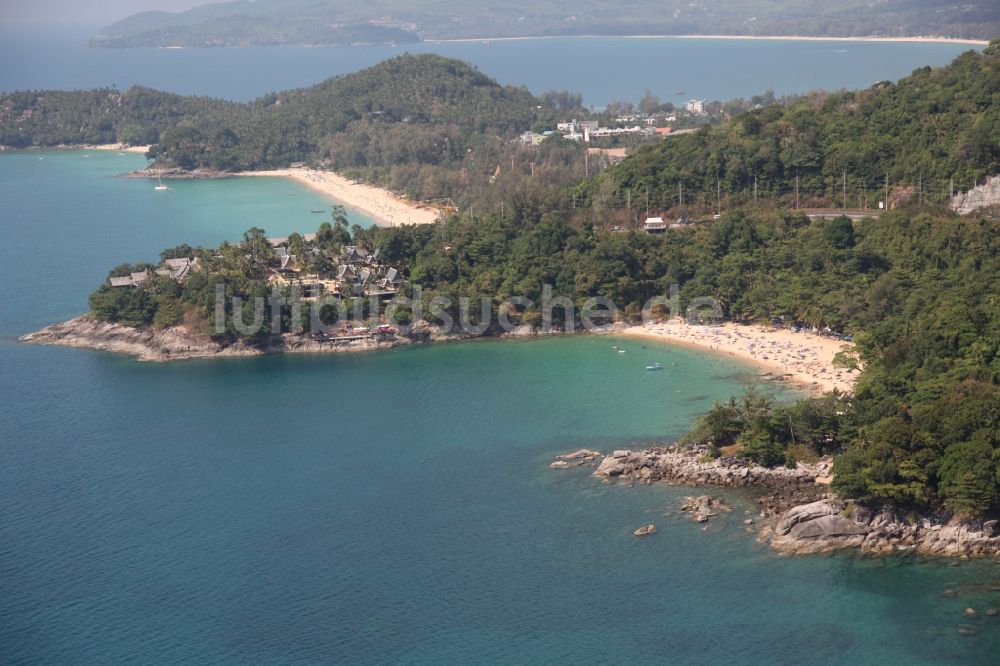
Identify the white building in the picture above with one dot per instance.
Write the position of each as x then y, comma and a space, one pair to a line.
654, 225
696, 106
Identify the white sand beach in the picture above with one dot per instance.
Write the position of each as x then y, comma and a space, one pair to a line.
385, 207
916, 39
118, 147
803, 358
800, 38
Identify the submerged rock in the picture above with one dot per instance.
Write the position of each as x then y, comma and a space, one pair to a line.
703, 507
645, 530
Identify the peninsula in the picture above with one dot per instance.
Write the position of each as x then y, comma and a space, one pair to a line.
836, 213
338, 22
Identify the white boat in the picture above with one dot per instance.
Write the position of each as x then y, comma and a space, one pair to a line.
159, 184
654, 366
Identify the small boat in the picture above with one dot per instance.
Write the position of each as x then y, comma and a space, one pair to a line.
621, 351
654, 366
318, 211
159, 184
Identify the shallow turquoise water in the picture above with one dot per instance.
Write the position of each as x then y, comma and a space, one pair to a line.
68, 218
382, 508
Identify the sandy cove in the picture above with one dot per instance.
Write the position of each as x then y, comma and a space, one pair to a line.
107, 147
804, 358
385, 207
117, 147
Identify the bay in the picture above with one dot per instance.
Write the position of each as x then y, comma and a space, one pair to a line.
379, 508
396, 507
73, 217
600, 68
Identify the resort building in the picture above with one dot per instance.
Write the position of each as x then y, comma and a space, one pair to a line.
654, 225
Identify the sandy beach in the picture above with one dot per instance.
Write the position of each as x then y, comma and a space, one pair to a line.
791, 38
385, 207
800, 38
803, 358
118, 147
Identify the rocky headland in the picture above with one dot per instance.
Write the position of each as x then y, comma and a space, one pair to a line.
831, 524
800, 515
184, 342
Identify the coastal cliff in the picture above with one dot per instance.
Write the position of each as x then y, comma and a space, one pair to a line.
804, 517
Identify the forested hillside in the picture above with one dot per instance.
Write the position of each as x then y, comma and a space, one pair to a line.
420, 124
916, 289
433, 128
249, 22
412, 91
45, 118
936, 128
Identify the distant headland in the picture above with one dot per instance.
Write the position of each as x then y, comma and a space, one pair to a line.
341, 23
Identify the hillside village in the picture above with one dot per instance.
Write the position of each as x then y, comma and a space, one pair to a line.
296, 261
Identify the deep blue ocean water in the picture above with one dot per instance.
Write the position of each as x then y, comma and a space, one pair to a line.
600, 68
381, 508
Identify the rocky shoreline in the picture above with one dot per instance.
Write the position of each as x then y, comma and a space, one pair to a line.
176, 173
801, 515
181, 342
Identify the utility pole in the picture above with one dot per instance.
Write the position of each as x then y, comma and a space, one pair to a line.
680, 193
845, 188
951, 189
796, 191
920, 189
647, 202
755, 190
586, 163
718, 195
887, 190
628, 194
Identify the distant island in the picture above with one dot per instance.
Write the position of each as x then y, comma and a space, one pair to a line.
342, 22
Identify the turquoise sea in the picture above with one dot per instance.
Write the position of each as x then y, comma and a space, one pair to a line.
381, 508
600, 68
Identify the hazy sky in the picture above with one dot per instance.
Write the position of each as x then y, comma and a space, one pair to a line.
90, 12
